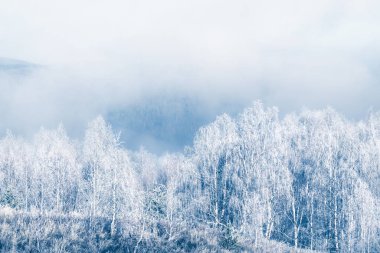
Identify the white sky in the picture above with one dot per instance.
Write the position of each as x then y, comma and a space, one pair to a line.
99, 53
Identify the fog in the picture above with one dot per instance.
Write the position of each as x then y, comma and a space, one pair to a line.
95, 57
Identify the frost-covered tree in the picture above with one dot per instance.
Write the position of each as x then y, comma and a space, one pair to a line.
181, 195
99, 146
213, 148
15, 175
262, 154
56, 171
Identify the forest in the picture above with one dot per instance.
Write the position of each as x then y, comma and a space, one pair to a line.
255, 182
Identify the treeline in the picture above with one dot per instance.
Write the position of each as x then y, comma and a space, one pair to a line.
309, 180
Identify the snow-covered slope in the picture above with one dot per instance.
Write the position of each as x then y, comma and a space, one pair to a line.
163, 123
16, 67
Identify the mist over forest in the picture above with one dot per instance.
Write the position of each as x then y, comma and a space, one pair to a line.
190, 126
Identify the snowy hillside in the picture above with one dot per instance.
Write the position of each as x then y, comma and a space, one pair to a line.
16, 67
163, 123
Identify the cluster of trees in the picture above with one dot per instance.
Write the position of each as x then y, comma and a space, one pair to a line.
309, 180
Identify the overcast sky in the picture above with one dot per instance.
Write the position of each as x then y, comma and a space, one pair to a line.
97, 54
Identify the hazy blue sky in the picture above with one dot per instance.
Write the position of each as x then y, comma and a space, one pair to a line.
95, 55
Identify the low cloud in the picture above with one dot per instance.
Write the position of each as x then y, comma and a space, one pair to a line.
95, 56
